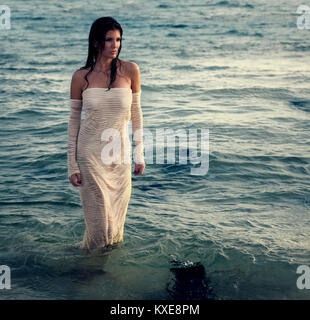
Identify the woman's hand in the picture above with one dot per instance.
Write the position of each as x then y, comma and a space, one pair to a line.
139, 168
75, 179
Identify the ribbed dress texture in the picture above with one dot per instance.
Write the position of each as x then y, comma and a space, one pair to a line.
99, 149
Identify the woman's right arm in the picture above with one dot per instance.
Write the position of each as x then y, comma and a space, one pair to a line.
74, 125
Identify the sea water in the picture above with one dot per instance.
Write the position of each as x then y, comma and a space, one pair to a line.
239, 69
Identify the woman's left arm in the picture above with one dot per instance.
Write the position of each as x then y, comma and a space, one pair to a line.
137, 119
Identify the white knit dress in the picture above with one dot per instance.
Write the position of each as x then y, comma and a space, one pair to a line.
99, 149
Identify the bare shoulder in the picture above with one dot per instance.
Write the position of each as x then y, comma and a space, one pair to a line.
77, 83
133, 71
79, 74
132, 67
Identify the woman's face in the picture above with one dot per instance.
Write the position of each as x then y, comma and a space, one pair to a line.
112, 44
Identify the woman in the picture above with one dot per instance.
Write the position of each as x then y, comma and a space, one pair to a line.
109, 91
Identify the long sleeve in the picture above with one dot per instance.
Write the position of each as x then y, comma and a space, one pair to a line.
137, 127
73, 131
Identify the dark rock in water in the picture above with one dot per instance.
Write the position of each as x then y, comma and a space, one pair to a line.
189, 282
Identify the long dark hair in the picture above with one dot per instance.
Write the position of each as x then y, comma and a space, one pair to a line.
97, 34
